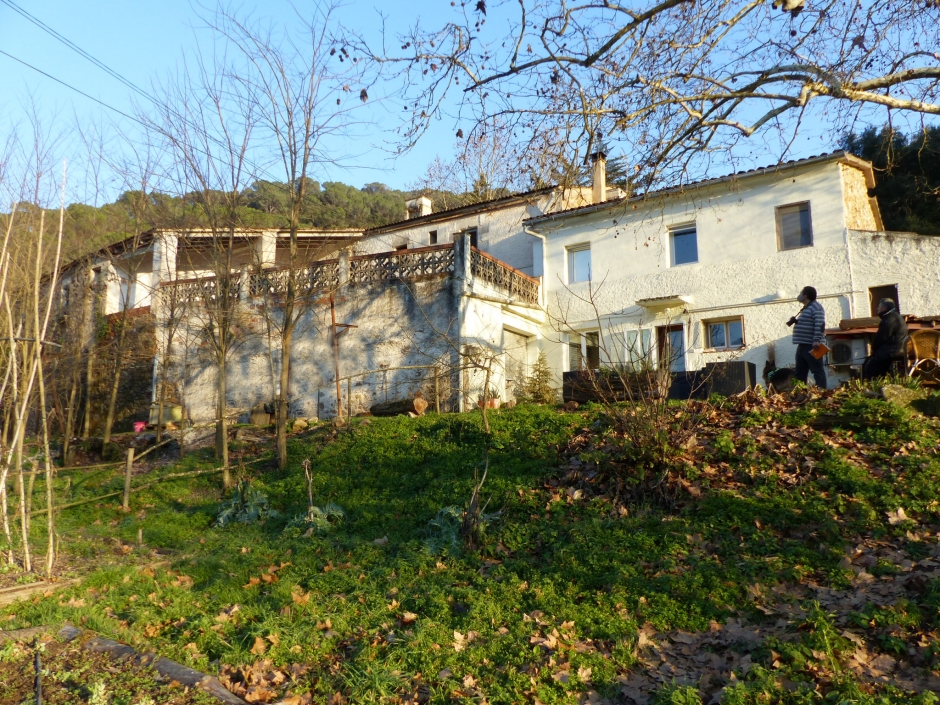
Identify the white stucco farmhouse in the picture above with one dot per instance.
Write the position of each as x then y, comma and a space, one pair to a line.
589, 276
711, 271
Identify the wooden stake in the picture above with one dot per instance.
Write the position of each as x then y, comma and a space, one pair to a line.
437, 390
24, 522
339, 388
128, 467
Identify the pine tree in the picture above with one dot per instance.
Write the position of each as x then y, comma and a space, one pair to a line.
537, 387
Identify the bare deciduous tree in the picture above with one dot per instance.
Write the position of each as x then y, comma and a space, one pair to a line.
672, 81
207, 124
299, 91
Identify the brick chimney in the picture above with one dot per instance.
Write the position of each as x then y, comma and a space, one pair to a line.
417, 207
599, 160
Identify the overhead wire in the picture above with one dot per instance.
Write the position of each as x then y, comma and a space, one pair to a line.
111, 72
117, 76
71, 87
74, 47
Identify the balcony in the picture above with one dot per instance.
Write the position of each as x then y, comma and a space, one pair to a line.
520, 287
400, 265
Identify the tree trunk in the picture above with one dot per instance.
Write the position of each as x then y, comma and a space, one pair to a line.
161, 404
182, 397
24, 521
221, 427
286, 340
89, 379
50, 514
116, 379
57, 402
70, 416
486, 393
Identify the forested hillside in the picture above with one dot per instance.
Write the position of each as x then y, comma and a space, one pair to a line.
328, 205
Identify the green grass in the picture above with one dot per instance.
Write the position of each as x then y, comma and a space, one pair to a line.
382, 620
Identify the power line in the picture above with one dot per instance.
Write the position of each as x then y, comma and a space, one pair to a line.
104, 67
130, 117
71, 87
71, 45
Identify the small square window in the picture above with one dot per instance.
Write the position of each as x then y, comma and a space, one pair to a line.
579, 264
432, 237
794, 226
584, 352
725, 335
684, 245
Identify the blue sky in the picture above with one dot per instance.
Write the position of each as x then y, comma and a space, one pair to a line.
147, 41
144, 41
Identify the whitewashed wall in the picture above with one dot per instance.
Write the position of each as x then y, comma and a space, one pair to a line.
910, 261
486, 317
739, 271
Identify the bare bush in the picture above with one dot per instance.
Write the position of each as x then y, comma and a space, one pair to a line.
647, 434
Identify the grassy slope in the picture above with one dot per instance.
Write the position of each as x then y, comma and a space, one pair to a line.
555, 605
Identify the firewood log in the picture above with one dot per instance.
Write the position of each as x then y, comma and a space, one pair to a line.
399, 407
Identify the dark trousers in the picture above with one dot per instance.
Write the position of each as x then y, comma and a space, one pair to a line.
806, 363
878, 365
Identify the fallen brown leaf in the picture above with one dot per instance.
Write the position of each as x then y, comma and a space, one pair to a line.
260, 646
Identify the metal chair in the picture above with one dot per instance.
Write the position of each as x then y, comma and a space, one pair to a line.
924, 351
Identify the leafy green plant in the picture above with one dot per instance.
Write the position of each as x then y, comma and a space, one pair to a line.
321, 519
443, 531
99, 694
246, 505
8, 651
875, 385
674, 694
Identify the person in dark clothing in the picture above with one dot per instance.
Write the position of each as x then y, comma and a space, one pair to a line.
891, 340
809, 332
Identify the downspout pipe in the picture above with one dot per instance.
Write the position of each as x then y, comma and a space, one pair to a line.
543, 290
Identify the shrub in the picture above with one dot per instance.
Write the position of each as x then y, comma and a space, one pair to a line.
537, 387
246, 505
320, 519
112, 452
443, 532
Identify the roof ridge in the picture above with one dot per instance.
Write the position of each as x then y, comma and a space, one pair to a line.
754, 171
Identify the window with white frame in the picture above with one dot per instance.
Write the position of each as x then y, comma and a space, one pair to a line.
638, 348
579, 264
683, 244
794, 226
726, 334
584, 351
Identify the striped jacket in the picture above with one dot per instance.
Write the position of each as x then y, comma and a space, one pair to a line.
810, 326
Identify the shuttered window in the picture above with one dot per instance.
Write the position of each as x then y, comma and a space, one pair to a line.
794, 226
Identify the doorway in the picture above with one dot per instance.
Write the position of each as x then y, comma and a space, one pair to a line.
671, 347
515, 362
